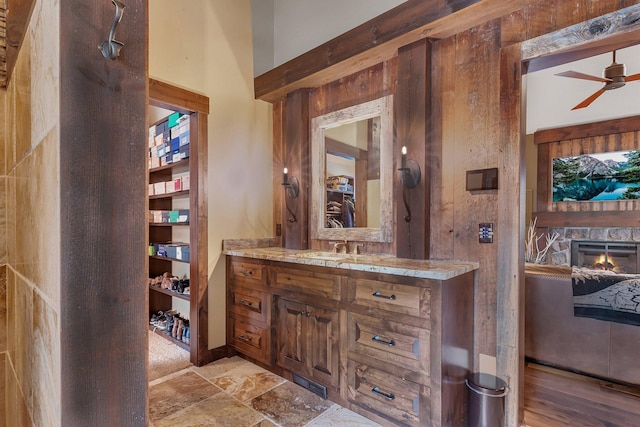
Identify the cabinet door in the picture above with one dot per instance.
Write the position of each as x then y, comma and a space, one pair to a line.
323, 352
291, 335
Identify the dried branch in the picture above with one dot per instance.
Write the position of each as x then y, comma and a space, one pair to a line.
532, 251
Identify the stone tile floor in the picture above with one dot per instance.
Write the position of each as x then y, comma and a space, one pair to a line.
236, 393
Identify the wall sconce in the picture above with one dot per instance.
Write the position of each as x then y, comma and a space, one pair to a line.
292, 187
410, 170
410, 177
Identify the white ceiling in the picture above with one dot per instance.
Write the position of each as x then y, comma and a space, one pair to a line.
550, 98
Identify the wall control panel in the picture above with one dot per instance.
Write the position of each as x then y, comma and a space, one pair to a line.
485, 233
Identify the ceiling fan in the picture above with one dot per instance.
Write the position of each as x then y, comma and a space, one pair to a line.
614, 78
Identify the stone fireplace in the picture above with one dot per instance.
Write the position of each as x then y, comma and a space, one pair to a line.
617, 257
560, 252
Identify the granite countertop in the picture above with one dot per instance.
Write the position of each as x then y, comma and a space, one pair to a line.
387, 264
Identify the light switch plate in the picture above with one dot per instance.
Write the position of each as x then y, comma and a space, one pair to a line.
485, 233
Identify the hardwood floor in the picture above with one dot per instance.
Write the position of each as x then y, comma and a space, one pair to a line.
558, 398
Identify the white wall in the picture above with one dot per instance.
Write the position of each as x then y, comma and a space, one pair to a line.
550, 98
262, 31
206, 47
300, 25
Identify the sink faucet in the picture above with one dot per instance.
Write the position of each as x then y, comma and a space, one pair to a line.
355, 250
340, 247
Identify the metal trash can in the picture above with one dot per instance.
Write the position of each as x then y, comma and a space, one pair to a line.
486, 400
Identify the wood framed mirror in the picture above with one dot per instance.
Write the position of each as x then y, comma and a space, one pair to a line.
352, 172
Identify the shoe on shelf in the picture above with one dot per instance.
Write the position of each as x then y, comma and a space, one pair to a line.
169, 323
161, 324
186, 332
180, 329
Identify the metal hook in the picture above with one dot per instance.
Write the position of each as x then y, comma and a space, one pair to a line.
111, 48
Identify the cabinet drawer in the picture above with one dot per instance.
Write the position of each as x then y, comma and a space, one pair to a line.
245, 271
249, 339
309, 283
391, 342
250, 303
386, 395
395, 297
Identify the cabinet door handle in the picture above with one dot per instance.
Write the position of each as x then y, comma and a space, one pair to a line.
302, 312
245, 302
379, 295
379, 340
244, 338
388, 396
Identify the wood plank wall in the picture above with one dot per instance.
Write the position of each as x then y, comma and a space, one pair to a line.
296, 159
366, 85
103, 106
466, 116
412, 112
470, 131
3, 43
465, 129
600, 137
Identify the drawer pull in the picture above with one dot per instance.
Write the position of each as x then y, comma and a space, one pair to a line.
379, 295
388, 396
379, 340
245, 302
244, 338
247, 273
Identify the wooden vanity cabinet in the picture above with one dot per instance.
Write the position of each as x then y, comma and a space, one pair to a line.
407, 347
307, 325
395, 349
248, 309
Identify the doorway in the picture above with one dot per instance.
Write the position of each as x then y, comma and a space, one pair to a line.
179, 247
561, 48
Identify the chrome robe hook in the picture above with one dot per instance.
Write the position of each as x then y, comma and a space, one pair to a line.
111, 48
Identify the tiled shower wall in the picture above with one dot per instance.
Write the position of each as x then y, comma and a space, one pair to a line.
560, 252
30, 227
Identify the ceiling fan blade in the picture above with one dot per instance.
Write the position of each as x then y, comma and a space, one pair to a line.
632, 77
589, 100
577, 75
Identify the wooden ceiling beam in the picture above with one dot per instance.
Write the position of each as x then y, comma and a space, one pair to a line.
378, 40
603, 34
587, 130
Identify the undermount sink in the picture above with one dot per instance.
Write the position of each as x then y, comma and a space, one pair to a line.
326, 256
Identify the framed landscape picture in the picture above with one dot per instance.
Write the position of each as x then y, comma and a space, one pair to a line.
597, 177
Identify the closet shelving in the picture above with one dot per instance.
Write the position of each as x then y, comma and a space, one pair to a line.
189, 233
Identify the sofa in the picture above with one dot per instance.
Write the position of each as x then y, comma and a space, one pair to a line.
554, 336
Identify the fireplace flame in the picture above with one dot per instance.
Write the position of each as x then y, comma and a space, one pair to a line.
604, 263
